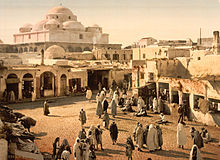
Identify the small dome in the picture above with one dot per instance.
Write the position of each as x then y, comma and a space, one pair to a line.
54, 52
26, 28
52, 24
60, 10
52, 21
95, 25
39, 26
73, 25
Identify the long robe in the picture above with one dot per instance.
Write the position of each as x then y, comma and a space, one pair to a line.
113, 131
82, 117
105, 105
113, 107
106, 120
46, 108
116, 97
198, 139
135, 131
93, 136
195, 153
160, 105
88, 94
160, 138
152, 138
140, 104
11, 96
99, 108
86, 151
139, 135
181, 135
77, 152
102, 96
98, 135
155, 105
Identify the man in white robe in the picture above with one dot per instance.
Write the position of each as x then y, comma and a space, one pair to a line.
141, 104
152, 138
77, 150
113, 108
181, 135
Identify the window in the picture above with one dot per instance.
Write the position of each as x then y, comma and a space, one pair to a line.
199, 58
57, 17
124, 56
142, 75
151, 76
131, 56
80, 36
107, 56
29, 36
115, 57
48, 80
159, 53
144, 55
58, 26
69, 17
165, 53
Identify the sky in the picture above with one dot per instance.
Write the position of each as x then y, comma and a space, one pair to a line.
126, 21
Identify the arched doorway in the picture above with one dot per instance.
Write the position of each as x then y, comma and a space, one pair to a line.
47, 83
27, 85
63, 85
78, 49
12, 85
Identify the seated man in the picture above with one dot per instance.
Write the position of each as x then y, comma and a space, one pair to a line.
128, 106
141, 113
162, 119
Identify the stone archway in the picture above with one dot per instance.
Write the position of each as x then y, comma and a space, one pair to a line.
47, 83
27, 82
78, 49
12, 82
87, 49
63, 84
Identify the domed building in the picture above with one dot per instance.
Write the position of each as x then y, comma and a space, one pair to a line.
54, 52
60, 25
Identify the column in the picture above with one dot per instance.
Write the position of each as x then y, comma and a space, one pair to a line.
170, 94
37, 91
34, 90
20, 90
157, 89
180, 93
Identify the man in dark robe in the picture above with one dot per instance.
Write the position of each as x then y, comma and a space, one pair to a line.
114, 132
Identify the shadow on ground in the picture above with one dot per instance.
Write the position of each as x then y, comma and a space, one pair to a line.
170, 153
53, 102
109, 152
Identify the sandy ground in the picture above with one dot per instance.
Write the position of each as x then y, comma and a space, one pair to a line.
63, 122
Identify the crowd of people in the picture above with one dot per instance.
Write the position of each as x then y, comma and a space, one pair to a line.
149, 137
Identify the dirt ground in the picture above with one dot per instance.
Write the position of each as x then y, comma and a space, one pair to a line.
63, 122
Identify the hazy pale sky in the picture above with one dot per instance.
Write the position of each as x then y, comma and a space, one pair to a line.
125, 20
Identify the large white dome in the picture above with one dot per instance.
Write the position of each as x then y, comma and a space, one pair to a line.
73, 25
54, 52
61, 13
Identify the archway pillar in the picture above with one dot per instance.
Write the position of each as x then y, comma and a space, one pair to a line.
20, 90
38, 87
34, 93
